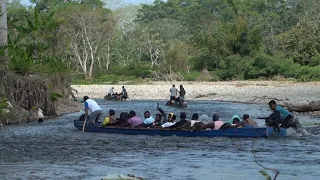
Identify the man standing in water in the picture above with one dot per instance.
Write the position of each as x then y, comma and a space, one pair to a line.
182, 94
173, 93
93, 107
286, 118
124, 94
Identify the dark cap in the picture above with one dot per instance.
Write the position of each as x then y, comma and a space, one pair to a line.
215, 117
85, 98
245, 116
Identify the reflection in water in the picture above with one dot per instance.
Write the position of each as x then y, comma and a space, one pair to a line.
57, 150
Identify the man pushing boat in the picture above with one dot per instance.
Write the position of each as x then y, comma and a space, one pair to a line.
281, 117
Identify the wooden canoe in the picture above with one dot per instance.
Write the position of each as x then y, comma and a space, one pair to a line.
232, 132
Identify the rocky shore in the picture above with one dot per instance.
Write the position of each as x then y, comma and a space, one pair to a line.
233, 91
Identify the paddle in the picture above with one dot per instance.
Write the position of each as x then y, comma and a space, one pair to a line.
84, 123
262, 118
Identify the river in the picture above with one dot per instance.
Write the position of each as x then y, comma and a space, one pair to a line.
55, 149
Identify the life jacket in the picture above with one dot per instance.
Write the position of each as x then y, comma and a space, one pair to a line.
106, 121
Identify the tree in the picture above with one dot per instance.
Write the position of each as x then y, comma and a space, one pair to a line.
88, 32
3, 30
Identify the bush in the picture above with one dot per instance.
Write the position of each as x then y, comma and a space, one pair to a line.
133, 69
191, 76
232, 67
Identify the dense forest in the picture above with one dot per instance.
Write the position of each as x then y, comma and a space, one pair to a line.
174, 39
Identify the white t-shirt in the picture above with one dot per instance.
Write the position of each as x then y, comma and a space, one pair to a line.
40, 113
167, 124
173, 91
92, 105
192, 122
110, 91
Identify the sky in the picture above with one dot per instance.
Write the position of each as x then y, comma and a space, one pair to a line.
27, 2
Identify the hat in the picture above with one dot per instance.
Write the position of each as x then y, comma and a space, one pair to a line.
215, 117
85, 98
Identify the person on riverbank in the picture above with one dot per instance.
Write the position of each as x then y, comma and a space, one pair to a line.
283, 116
173, 93
124, 94
40, 115
93, 107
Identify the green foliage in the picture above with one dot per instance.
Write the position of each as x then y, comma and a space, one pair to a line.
191, 76
141, 70
232, 39
265, 174
3, 103
55, 96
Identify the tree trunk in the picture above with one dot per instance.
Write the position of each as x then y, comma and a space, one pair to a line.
3, 30
304, 107
108, 56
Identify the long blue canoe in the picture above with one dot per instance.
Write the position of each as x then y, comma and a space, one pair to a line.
233, 132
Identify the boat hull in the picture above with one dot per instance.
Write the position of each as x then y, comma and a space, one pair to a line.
232, 132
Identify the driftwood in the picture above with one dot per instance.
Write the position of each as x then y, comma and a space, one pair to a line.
303, 107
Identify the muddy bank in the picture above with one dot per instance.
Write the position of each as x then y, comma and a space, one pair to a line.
62, 107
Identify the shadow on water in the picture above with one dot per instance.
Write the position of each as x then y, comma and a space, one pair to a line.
57, 150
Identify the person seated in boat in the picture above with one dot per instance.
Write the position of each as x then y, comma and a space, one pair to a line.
93, 107
286, 119
164, 115
182, 121
236, 122
247, 122
195, 123
169, 123
110, 93
134, 120
111, 119
158, 121
148, 120
217, 123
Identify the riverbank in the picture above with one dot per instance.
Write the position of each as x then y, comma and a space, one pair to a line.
233, 91
63, 106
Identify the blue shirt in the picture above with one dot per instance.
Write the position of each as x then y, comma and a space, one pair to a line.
149, 120
285, 113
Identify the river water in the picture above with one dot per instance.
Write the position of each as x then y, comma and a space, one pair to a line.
55, 149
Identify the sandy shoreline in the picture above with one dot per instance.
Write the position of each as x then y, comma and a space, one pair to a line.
234, 91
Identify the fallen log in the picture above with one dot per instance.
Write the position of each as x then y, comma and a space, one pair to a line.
303, 107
